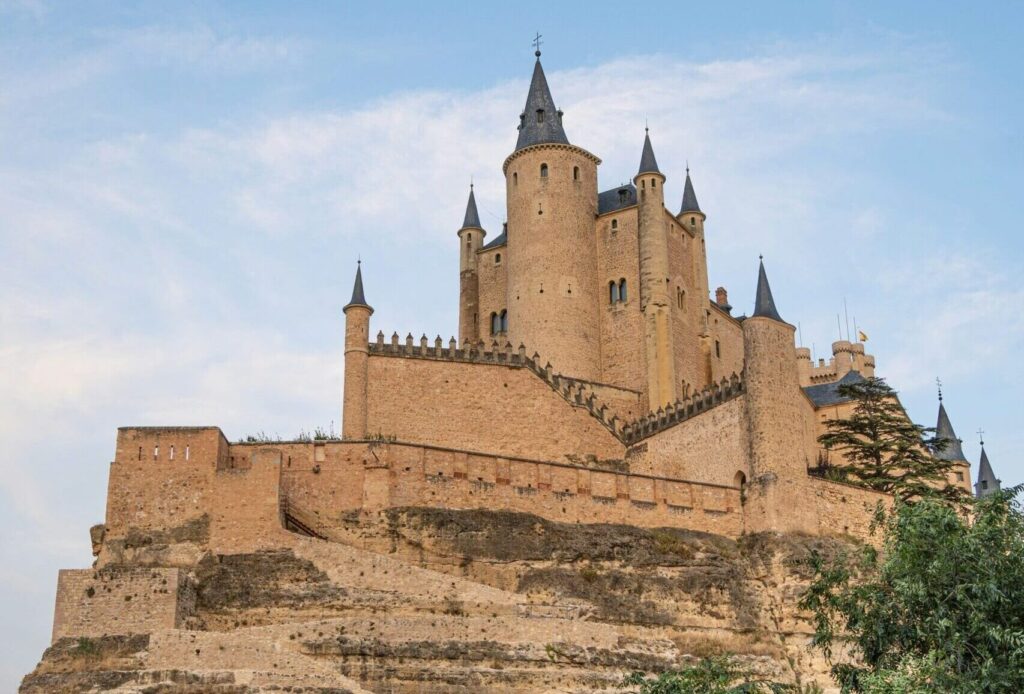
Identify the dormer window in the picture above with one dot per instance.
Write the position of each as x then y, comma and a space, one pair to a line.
623, 195
540, 115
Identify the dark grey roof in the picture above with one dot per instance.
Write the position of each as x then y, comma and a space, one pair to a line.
828, 393
764, 304
689, 197
472, 219
648, 164
358, 298
500, 240
616, 198
944, 430
986, 475
540, 120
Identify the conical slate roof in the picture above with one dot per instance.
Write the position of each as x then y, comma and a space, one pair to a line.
689, 197
764, 304
358, 298
987, 482
472, 219
648, 164
540, 120
944, 430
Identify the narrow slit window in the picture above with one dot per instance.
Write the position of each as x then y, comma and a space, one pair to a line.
615, 225
504, 321
495, 324
156, 451
543, 170
613, 292
575, 173
172, 453
140, 452
186, 452
622, 290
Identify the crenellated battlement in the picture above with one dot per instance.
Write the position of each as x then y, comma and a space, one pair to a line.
683, 409
846, 356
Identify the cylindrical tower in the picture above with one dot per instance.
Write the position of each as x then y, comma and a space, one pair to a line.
471, 237
551, 189
654, 274
357, 340
777, 494
691, 217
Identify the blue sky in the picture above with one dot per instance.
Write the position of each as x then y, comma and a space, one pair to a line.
185, 187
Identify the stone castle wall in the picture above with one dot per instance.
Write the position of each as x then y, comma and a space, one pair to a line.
120, 600
493, 408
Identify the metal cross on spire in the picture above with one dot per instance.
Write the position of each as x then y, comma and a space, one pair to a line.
537, 44
981, 436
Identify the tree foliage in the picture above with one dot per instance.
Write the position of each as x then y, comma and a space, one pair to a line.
716, 675
883, 449
939, 609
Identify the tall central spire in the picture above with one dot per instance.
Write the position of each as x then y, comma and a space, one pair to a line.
540, 121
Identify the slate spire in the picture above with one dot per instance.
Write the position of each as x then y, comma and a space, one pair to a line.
540, 120
472, 218
689, 197
987, 481
944, 430
648, 164
358, 298
764, 304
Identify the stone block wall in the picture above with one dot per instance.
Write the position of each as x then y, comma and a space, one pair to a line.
843, 509
711, 447
491, 408
120, 600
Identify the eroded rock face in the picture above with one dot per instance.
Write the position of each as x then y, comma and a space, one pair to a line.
452, 602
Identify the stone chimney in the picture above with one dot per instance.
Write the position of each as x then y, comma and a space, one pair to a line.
722, 299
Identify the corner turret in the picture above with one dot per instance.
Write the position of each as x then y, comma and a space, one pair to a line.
471, 237
777, 499
654, 269
987, 481
953, 450
357, 340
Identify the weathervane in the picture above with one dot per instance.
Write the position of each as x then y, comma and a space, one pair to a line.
536, 44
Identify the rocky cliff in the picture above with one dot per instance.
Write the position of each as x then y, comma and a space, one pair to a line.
430, 601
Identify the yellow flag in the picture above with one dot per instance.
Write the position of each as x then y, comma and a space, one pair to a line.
862, 336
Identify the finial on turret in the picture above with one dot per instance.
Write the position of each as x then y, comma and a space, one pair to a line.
536, 45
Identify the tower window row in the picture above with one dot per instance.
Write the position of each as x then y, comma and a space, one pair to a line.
544, 174
617, 291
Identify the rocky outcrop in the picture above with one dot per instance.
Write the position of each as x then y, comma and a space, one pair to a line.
441, 601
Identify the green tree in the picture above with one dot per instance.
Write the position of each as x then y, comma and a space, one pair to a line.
939, 609
716, 675
884, 450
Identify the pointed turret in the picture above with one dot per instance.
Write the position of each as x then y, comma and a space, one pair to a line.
648, 164
540, 120
358, 298
689, 197
987, 481
764, 304
472, 218
944, 430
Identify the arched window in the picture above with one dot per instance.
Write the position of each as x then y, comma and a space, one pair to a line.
613, 292
495, 324
543, 170
575, 173
681, 298
504, 321
622, 290
739, 480
615, 224
497, 258
693, 221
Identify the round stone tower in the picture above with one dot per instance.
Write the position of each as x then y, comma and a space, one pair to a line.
471, 236
357, 339
551, 189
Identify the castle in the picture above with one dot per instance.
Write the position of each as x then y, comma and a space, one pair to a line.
593, 381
